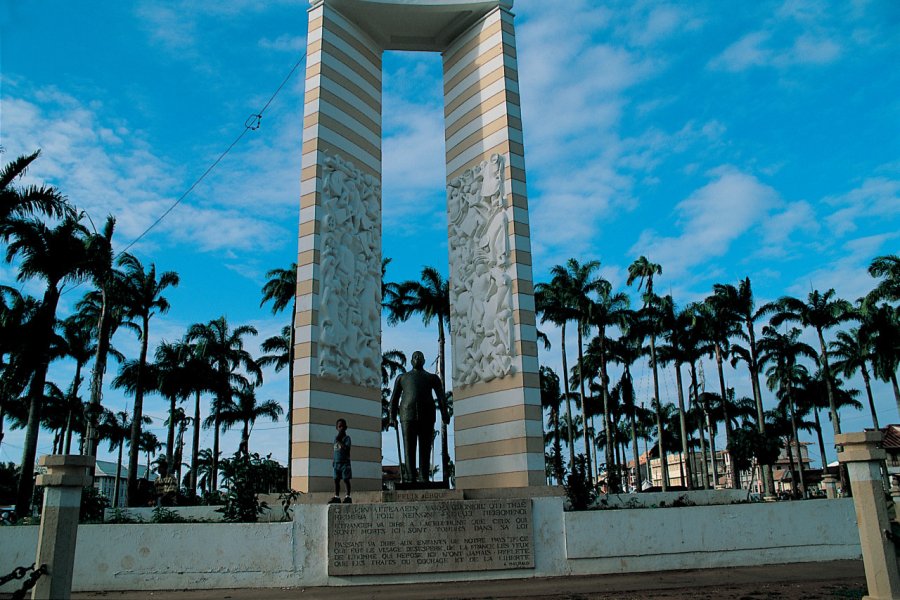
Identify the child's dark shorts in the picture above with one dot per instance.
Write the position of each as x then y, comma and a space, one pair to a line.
343, 471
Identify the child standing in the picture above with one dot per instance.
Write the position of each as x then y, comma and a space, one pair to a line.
341, 462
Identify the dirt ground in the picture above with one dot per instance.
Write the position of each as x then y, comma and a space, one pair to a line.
803, 581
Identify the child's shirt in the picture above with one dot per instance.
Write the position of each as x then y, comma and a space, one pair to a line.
341, 449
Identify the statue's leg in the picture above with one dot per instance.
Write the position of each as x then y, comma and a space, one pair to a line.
426, 439
410, 438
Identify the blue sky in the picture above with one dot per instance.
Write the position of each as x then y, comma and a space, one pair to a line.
722, 140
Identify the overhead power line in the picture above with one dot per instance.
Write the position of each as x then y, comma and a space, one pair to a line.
252, 123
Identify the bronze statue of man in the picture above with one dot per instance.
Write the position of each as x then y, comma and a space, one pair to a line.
413, 397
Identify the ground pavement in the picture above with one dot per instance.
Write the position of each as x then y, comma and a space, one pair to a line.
806, 581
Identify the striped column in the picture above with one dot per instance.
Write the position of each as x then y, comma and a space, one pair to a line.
498, 423
342, 118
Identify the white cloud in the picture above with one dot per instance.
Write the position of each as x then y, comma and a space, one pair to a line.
779, 228
284, 43
105, 168
709, 220
877, 197
756, 49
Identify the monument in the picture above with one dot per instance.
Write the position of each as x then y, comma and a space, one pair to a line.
498, 433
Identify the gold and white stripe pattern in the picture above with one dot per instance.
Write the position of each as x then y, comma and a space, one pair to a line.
341, 116
498, 424
499, 440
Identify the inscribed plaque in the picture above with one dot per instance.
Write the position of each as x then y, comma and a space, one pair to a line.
430, 537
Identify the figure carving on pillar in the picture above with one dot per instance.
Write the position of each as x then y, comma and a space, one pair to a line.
481, 297
350, 272
412, 398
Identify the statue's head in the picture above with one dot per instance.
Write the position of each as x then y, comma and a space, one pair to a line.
417, 360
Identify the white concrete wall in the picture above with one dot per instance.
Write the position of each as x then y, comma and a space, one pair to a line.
216, 555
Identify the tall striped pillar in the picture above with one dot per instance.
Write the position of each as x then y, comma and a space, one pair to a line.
498, 425
337, 325
499, 439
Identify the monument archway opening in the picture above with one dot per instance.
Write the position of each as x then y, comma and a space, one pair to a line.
498, 432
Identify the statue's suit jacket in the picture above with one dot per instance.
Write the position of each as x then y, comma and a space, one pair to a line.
413, 391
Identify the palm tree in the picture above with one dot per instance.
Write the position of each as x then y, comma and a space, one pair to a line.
429, 298
853, 349
142, 295
222, 348
175, 382
551, 303
281, 290
150, 444
739, 305
551, 399
642, 270
79, 347
245, 411
781, 351
887, 268
677, 326
811, 397
205, 473
577, 281
821, 312
29, 201
721, 323
626, 351
608, 310
116, 427
104, 308
57, 256
393, 362
881, 325
16, 318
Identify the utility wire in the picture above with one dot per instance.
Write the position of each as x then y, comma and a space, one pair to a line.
252, 123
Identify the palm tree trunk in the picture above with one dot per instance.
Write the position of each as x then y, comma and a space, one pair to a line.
896, 390
73, 397
686, 479
821, 439
696, 398
605, 386
735, 478
2, 419
557, 447
170, 436
588, 438
565, 378
867, 381
649, 465
445, 447
104, 326
658, 405
753, 367
245, 438
44, 322
134, 450
214, 477
118, 481
835, 417
797, 443
712, 449
704, 465
195, 442
634, 450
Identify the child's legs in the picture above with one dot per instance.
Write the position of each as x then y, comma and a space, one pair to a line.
337, 486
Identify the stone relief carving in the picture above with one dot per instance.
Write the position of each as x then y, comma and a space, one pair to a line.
350, 275
481, 302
